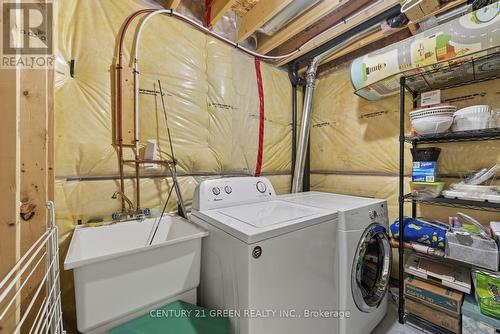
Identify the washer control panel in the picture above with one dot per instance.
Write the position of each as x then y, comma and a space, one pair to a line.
218, 193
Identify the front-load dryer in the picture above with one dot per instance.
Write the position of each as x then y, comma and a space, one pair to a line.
267, 264
363, 259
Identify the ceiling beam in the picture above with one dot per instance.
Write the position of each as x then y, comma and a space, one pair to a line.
323, 24
169, 4
218, 8
364, 15
267, 43
256, 17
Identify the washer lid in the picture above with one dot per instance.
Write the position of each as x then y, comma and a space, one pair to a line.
330, 201
254, 222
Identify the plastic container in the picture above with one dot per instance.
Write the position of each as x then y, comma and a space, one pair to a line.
471, 248
424, 190
495, 118
425, 154
474, 322
471, 118
488, 293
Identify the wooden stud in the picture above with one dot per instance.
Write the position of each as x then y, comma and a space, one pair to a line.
337, 15
218, 9
266, 44
34, 92
169, 4
262, 12
10, 186
339, 30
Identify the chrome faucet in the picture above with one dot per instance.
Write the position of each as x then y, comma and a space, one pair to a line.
130, 213
125, 198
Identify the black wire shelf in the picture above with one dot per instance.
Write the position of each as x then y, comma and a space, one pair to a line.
460, 136
456, 203
466, 70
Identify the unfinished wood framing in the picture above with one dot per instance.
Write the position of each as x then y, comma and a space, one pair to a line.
266, 44
262, 12
218, 8
339, 30
35, 92
10, 185
335, 16
169, 4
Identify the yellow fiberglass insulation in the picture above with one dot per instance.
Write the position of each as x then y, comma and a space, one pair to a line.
212, 103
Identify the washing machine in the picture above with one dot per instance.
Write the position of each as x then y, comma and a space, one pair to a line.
364, 256
267, 264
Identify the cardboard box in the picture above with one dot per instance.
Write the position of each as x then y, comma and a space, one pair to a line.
438, 318
435, 296
421, 10
425, 171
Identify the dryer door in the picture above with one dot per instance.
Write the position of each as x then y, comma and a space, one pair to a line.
371, 268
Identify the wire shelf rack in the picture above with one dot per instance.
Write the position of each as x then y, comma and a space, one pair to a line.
43, 312
457, 203
473, 135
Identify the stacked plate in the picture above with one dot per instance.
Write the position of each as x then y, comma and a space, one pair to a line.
432, 120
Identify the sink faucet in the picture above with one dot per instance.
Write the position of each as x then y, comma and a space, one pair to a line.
122, 195
131, 212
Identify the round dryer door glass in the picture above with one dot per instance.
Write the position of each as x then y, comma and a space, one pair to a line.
371, 268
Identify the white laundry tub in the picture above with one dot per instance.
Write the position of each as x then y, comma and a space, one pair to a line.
119, 276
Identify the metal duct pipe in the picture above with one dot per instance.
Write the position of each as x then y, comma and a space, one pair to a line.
298, 172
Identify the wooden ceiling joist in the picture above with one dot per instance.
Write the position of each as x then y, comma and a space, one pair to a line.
323, 24
218, 8
334, 32
262, 12
169, 4
267, 43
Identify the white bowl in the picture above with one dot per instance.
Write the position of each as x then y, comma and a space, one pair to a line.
431, 125
478, 109
429, 114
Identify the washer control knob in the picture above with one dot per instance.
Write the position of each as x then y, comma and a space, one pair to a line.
261, 187
373, 214
228, 189
216, 191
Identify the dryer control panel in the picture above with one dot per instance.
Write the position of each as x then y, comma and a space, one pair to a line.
219, 193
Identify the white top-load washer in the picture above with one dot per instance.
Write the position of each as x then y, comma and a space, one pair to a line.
267, 263
364, 256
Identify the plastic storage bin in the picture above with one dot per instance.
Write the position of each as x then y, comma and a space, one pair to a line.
488, 293
474, 322
471, 118
472, 249
175, 318
424, 190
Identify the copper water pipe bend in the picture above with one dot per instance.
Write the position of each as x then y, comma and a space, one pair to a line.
119, 95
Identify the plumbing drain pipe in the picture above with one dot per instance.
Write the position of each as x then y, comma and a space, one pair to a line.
303, 142
296, 80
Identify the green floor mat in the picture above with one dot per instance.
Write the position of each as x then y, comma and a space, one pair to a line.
176, 318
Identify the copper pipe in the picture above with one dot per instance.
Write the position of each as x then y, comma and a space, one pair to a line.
119, 95
119, 87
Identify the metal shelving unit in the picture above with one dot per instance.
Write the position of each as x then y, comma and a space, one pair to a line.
457, 203
482, 66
